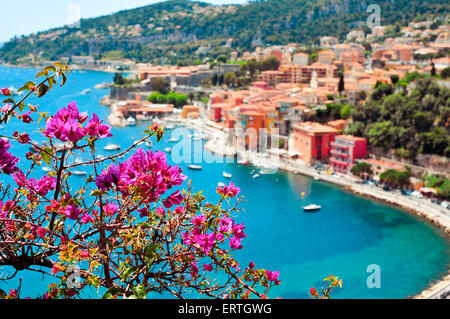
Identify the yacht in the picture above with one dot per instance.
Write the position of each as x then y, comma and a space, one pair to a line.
79, 173
255, 176
220, 184
226, 175
312, 208
103, 85
195, 167
112, 147
131, 121
46, 169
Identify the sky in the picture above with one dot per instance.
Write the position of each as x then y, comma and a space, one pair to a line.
22, 17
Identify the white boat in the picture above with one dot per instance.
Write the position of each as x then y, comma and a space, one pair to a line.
195, 167
149, 144
220, 184
227, 175
168, 149
131, 121
312, 208
46, 169
317, 178
173, 140
87, 91
255, 176
100, 157
79, 173
112, 147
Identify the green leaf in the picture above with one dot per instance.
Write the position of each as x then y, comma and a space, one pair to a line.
50, 68
140, 291
42, 73
43, 89
127, 272
111, 293
64, 79
46, 155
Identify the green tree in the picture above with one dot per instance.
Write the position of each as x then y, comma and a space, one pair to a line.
160, 85
362, 169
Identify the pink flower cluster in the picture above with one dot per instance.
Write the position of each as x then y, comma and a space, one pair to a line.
206, 241
148, 174
228, 191
66, 125
41, 187
7, 160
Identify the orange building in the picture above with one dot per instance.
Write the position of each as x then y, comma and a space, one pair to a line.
313, 141
188, 110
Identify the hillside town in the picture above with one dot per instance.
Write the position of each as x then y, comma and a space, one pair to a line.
288, 98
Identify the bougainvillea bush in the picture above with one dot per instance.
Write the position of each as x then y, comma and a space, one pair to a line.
131, 230
134, 229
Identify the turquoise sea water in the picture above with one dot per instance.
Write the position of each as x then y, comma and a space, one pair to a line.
342, 239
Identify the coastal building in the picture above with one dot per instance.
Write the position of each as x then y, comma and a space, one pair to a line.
300, 58
190, 111
312, 141
345, 149
138, 107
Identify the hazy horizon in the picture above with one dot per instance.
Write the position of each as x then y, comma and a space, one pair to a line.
48, 14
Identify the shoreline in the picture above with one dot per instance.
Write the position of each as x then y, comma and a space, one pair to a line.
420, 207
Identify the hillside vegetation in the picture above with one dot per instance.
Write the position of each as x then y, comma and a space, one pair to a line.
173, 30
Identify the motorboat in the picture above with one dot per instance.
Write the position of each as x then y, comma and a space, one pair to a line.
195, 167
226, 175
79, 173
255, 176
46, 169
220, 184
112, 147
87, 91
149, 144
312, 208
168, 149
131, 121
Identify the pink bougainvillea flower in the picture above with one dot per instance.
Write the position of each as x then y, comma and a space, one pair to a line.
205, 241
26, 118
272, 275
56, 268
199, 220
5, 108
174, 199
95, 128
7, 160
86, 218
24, 138
143, 212
72, 212
207, 267
238, 231
235, 243
71, 131
108, 178
85, 254
228, 191
6, 92
41, 232
110, 209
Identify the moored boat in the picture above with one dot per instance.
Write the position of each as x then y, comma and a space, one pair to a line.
195, 167
227, 175
112, 147
312, 208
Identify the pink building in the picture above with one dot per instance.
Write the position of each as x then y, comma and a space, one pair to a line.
345, 150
